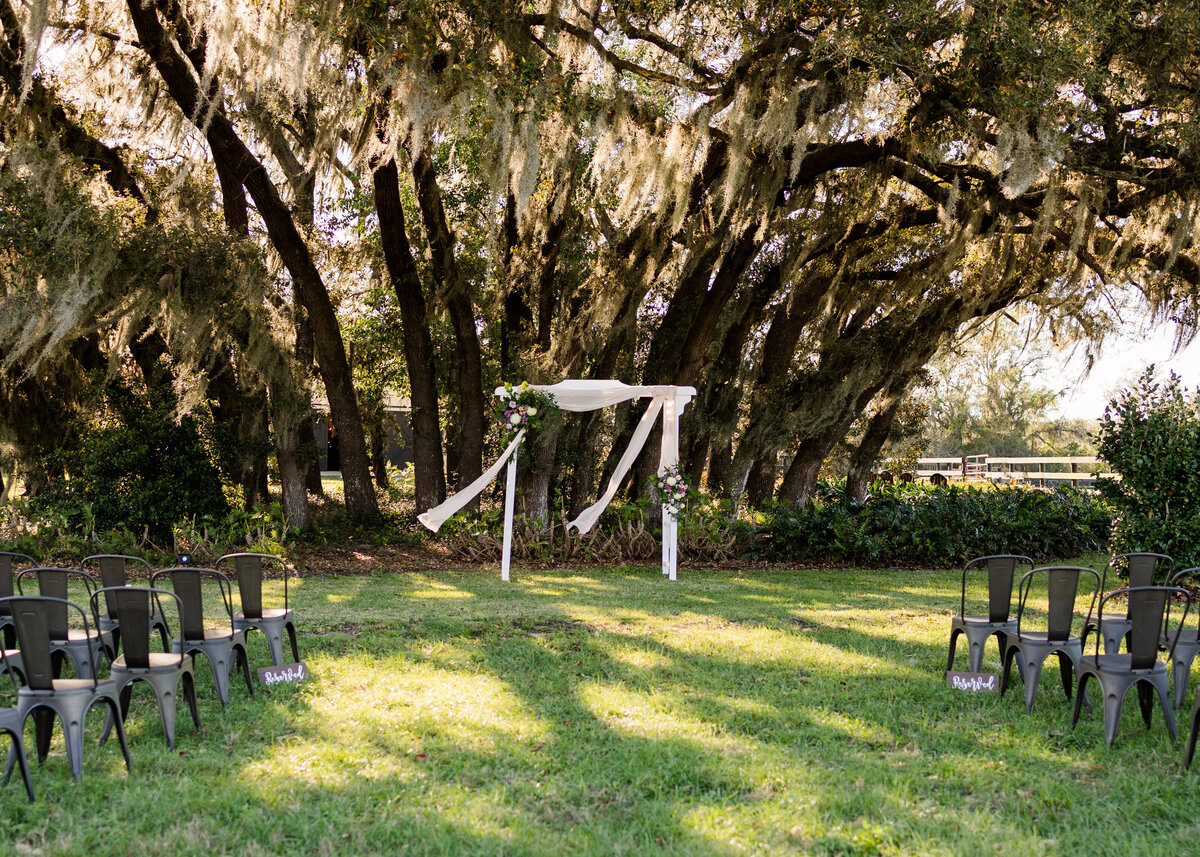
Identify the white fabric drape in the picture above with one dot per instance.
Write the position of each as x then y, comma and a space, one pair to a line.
438, 515
590, 395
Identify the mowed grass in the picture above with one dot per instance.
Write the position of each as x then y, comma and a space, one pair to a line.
613, 712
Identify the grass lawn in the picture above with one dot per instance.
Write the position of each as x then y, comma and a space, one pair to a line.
611, 712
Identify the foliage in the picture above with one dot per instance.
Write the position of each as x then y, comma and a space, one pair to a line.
935, 525
1150, 435
137, 468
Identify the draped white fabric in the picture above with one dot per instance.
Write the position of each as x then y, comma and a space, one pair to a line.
590, 395
438, 515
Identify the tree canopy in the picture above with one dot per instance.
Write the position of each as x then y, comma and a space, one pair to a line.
792, 206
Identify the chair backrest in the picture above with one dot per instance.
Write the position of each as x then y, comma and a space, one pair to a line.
248, 568
1176, 580
7, 560
1147, 609
1142, 568
187, 582
135, 606
1062, 591
32, 615
53, 583
113, 571
1001, 571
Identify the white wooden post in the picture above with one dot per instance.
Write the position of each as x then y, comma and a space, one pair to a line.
510, 492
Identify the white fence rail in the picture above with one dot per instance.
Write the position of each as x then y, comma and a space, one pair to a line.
1077, 469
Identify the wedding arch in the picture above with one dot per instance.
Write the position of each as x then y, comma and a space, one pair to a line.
589, 395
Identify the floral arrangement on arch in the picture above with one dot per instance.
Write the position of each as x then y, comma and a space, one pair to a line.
523, 408
671, 486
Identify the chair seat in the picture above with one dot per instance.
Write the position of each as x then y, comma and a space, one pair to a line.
1119, 662
985, 622
1041, 638
78, 635
68, 685
267, 613
158, 660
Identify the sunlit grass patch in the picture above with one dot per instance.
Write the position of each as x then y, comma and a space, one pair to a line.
615, 712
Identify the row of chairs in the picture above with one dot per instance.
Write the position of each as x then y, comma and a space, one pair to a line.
123, 620
1149, 616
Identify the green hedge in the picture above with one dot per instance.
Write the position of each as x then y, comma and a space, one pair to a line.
916, 523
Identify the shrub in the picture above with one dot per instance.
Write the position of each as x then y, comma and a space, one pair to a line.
936, 525
1150, 435
137, 468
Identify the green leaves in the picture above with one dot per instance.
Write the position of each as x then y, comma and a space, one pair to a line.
1150, 434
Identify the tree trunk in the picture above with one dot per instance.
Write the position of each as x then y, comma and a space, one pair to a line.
467, 352
428, 467
535, 471
862, 461
237, 159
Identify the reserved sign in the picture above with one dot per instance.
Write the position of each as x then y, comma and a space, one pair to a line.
283, 673
974, 682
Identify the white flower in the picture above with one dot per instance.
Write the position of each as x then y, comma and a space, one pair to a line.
531, 410
515, 420
671, 480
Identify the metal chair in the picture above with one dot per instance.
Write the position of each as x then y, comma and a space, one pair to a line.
7, 573
45, 695
271, 621
1033, 647
11, 722
81, 645
1191, 744
135, 606
1187, 643
1142, 570
1117, 672
1001, 569
112, 570
225, 648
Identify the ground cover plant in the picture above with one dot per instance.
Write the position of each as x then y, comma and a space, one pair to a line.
609, 712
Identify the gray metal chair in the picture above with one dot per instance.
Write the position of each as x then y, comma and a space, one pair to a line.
8, 561
1117, 672
1187, 642
45, 695
10, 722
1033, 647
1001, 570
1142, 569
224, 647
112, 570
82, 645
271, 621
135, 607
1191, 744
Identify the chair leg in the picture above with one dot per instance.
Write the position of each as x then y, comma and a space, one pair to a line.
274, 635
1033, 674
1145, 701
291, 629
1080, 695
124, 694
1066, 669
1191, 744
17, 752
1112, 715
1181, 668
244, 659
1164, 698
43, 729
113, 705
189, 693
954, 634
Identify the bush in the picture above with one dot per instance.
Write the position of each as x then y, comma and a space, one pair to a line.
1150, 435
936, 525
136, 469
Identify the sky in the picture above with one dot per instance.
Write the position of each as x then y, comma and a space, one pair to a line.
1122, 360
